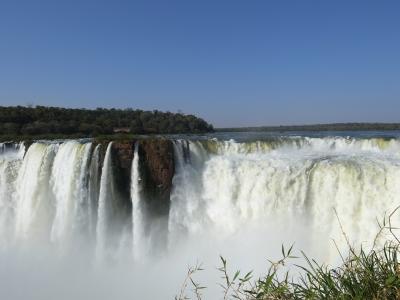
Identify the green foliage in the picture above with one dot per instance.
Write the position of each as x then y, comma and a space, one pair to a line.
54, 121
362, 275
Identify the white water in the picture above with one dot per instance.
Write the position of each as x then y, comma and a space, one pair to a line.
54, 190
138, 239
70, 189
33, 200
10, 161
239, 199
105, 207
94, 188
290, 187
112, 231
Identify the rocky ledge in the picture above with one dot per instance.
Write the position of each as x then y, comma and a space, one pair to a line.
156, 167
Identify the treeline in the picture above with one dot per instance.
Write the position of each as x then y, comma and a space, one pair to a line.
41, 120
320, 127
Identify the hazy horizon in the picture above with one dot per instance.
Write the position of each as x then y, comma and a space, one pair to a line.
232, 63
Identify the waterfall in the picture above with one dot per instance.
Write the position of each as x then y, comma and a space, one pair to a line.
112, 232
12, 149
61, 193
186, 205
94, 187
34, 209
105, 205
286, 184
137, 209
69, 182
9, 166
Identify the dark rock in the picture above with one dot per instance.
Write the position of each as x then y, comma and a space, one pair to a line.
122, 156
157, 167
157, 170
27, 144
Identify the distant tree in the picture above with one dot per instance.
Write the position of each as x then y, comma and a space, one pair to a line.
54, 120
136, 127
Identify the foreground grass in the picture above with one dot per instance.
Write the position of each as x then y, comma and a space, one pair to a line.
362, 275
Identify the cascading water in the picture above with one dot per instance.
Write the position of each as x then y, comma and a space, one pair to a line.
94, 188
66, 194
105, 205
137, 209
112, 231
10, 162
12, 149
34, 197
70, 188
285, 184
187, 207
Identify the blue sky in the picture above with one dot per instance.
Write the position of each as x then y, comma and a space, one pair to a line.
234, 63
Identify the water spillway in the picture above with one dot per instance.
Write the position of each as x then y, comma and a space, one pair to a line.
144, 197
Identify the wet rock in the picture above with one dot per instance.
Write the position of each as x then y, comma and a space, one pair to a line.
157, 170
27, 144
122, 154
156, 167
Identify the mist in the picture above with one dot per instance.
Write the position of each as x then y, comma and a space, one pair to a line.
38, 272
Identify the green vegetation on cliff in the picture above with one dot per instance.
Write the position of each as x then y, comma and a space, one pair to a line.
57, 122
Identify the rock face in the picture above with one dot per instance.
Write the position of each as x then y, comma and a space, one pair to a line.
157, 169
27, 145
122, 155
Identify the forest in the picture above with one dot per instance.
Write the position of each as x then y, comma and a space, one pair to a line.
42, 120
